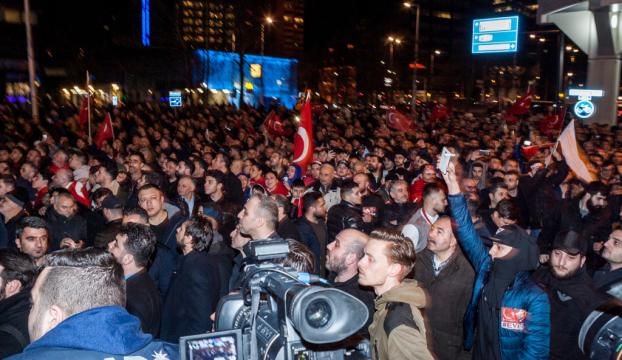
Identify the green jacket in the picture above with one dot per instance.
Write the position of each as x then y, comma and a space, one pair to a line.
398, 330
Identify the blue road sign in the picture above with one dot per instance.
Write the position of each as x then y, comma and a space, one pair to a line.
495, 35
584, 109
174, 98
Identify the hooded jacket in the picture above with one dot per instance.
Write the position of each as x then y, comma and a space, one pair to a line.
398, 330
107, 332
524, 314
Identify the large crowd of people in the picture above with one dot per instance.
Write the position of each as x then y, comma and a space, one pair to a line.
121, 249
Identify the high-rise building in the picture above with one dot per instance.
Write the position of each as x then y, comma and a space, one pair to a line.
516, 7
288, 28
207, 24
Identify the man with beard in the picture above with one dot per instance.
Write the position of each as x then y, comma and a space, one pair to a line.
372, 205
312, 227
195, 288
17, 273
571, 293
342, 257
375, 167
418, 226
508, 315
588, 215
611, 274
443, 271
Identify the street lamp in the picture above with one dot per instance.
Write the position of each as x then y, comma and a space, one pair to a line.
413, 100
268, 20
432, 57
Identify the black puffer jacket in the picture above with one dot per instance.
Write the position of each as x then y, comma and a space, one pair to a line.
343, 216
14, 323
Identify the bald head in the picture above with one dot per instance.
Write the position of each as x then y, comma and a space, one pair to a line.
354, 240
344, 253
62, 178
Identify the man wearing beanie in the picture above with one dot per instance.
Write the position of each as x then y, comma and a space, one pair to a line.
571, 293
508, 316
13, 207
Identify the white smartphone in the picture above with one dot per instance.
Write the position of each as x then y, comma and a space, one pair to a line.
445, 157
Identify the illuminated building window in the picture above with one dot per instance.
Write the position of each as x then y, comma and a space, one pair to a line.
442, 14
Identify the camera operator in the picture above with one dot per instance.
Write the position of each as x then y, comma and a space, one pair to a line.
77, 312
194, 291
342, 259
398, 330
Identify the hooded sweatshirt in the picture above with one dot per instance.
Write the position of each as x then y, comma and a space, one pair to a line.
398, 330
108, 332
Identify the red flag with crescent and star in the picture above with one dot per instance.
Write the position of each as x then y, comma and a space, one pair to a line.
274, 125
303, 140
398, 121
104, 132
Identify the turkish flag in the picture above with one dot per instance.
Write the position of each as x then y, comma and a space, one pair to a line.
84, 112
440, 112
104, 132
552, 124
398, 121
521, 107
274, 125
303, 140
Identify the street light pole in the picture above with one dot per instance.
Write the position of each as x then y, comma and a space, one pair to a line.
269, 21
413, 101
31, 62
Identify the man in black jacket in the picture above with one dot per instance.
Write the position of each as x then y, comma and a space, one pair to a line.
312, 227
445, 273
163, 224
113, 212
194, 291
400, 210
346, 214
132, 248
17, 273
571, 293
611, 274
587, 215
342, 259
67, 228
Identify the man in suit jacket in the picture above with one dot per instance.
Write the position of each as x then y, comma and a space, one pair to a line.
194, 291
132, 248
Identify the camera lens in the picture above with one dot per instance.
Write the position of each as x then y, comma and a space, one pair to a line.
318, 313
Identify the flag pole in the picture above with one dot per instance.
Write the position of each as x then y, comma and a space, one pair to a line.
31, 63
88, 105
111, 127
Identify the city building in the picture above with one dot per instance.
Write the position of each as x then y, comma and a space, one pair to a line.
207, 24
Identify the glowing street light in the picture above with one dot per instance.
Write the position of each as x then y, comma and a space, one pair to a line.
407, 5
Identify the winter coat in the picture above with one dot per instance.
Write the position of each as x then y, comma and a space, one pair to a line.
14, 312
107, 332
398, 330
343, 216
450, 292
524, 324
